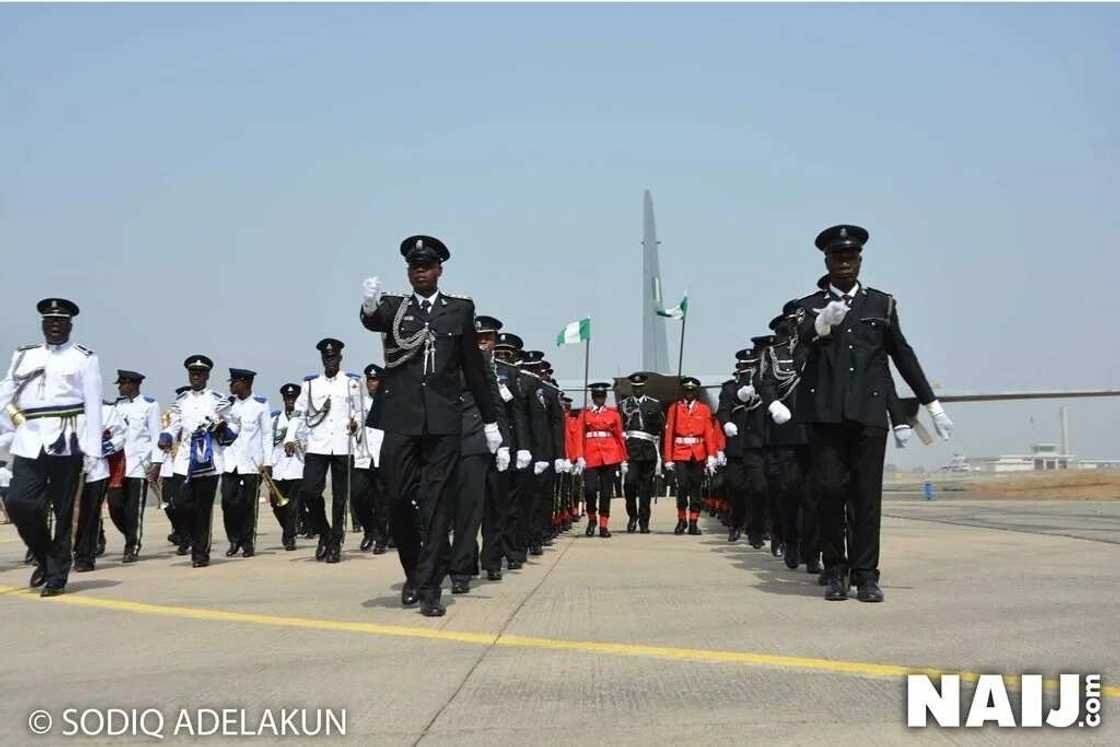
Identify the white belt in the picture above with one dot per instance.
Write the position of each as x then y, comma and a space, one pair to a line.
642, 435
688, 439
598, 434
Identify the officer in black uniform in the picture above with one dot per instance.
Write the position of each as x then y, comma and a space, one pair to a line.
740, 414
643, 421
548, 444
530, 427
851, 332
431, 356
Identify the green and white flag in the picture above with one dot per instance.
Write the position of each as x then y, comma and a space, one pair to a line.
575, 332
677, 312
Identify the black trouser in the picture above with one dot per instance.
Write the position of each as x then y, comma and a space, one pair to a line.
690, 475
470, 486
38, 486
639, 489
809, 525
540, 520
418, 472
518, 536
287, 514
170, 487
848, 469
240, 504
195, 504
361, 498
496, 517
89, 520
370, 505
126, 509
314, 481
752, 462
598, 485
786, 481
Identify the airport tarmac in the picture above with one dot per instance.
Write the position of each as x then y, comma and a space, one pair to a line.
636, 639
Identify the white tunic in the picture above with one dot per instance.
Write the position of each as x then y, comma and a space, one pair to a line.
330, 436
112, 440
140, 418
253, 447
71, 377
286, 467
194, 410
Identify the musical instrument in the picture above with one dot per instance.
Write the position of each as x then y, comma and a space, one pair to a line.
281, 501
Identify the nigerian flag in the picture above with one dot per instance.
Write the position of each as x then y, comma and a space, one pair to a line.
677, 312
575, 332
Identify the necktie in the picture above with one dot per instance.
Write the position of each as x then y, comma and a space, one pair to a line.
425, 307
846, 299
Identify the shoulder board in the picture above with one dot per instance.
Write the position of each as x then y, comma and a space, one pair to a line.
876, 292
459, 296
275, 413
549, 384
814, 297
110, 404
83, 349
31, 346
216, 395
309, 377
729, 381
352, 375
653, 399
148, 399
180, 395
260, 399
395, 294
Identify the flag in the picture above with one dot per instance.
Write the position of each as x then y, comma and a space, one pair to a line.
575, 332
677, 312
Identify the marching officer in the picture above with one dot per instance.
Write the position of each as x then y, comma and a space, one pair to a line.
642, 423
546, 449
431, 358
528, 426
599, 453
169, 486
101, 473
329, 406
689, 448
198, 418
572, 436
851, 332
246, 459
48, 446
287, 470
138, 416
741, 419
368, 489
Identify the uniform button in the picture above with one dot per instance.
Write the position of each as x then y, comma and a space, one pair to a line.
851, 369
850, 347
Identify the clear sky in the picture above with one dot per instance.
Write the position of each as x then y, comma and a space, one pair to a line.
220, 180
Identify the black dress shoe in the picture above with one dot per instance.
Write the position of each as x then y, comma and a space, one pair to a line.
51, 591
173, 538
813, 565
538, 550
28, 557
734, 535
333, 555
604, 532
380, 548
643, 529
792, 556
199, 563
514, 565
460, 586
631, 526
130, 556
822, 578
233, 548
693, 529
680, 527
837, 590
247, 550
432, 609
38, 577
100, 548
869, 591
756, 542
83, 566
775, 548
183, 549
367, 542
321, 550
590, 531
408, 596
493, 575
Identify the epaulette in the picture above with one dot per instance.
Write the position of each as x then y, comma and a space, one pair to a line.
275, 414
353, 375
83, 349
653, 399
110, 404
260, 399
459, 296
30, 346
180, 395
149, 399
216, 395
309, 377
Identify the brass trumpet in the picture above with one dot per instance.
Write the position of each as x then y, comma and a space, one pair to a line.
281, 501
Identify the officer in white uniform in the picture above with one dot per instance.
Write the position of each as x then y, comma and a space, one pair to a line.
246, 458
45, 390
329, 406
287, 471
198, 418
169, 485
89, 537
138, 414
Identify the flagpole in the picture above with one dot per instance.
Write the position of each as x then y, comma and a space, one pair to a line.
680, 356
586, 363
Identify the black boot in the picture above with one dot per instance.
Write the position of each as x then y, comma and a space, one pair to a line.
321, 550
693, 529
590, 531
643, 528
380, 548
233, 548
734, 534
837, 590
38, 577
869, 591
247, 550
680, 527
813, 565
408, 595
183, 548
631, 526
367, 542
100, 544
792, 556
775, 548
460, 585
604, 532
130, 555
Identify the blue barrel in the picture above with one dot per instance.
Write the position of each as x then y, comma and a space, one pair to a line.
927, 489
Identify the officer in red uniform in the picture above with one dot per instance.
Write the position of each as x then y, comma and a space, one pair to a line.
598, 453
690, 446
572, 437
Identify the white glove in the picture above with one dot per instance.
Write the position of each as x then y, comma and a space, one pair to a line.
493, 437
711, 465
730, 429
721, 459
902, 435
745, 393
88, 464
539, 467
669, 466
558, 465
579, 466
371, 294
625, 467
779, 412
524, 459
567, 466
502, 459
830, 316
941, 422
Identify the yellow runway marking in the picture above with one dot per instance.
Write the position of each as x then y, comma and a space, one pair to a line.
851, 668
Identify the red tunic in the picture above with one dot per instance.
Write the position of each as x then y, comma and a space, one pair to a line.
571, 436
689, 433
602, 441
720, 437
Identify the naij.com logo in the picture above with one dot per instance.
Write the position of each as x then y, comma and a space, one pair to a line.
1076, 701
